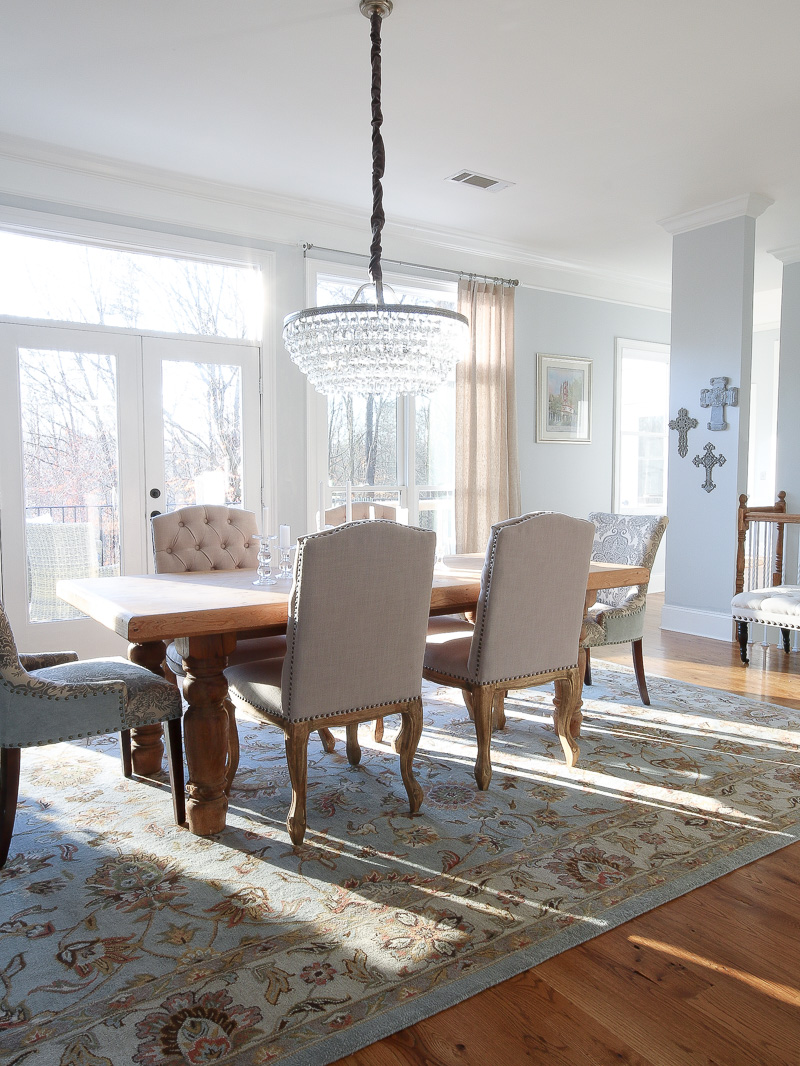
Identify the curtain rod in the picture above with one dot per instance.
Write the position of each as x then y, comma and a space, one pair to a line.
416, 266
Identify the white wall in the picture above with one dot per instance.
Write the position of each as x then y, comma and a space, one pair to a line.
573, 478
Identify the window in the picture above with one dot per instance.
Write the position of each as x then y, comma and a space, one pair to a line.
398, 449
642, 416
67, 281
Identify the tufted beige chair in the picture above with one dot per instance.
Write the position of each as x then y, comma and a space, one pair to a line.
53, 697
355, 643
361, 510
216, 537
527, 626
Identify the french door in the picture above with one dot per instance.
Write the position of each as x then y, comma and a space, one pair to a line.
99, 430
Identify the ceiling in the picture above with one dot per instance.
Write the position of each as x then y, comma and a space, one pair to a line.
606, 116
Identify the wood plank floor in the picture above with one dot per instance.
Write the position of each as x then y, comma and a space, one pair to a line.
712, 978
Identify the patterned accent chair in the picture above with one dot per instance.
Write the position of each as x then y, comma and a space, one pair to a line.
216, 537
618, 615
520, 639
355, 643
52, 697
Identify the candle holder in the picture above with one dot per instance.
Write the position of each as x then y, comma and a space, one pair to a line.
264, 560
285, 566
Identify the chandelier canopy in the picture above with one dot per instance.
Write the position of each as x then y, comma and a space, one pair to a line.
368, 345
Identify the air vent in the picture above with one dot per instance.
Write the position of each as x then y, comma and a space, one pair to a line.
479, 181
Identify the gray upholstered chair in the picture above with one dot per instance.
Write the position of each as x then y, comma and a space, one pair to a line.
618, 615
52, 697
216, 537
527, 626
355, 641
360, 510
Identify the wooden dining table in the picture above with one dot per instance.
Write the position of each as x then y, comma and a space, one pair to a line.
204, 613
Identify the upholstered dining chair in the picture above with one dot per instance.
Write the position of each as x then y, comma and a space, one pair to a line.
216, 537
527, 626
618, 615
355, 641
52, 697
359, 510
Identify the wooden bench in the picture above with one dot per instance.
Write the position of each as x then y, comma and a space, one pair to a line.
768, 598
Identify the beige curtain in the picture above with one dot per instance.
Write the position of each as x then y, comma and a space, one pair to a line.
487, 463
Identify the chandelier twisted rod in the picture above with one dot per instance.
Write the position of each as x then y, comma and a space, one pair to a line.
378, 153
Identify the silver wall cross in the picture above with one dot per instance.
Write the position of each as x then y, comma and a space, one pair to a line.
683, 424
716, 397
709, 461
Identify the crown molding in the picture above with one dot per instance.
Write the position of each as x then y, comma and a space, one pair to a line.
788, 255
751, 205
168, 199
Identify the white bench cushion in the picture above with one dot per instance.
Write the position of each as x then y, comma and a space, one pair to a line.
777, 606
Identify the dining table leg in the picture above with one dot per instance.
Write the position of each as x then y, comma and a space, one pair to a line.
147, 742
577, 717
206, 729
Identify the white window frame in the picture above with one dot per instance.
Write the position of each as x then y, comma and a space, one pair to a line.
153, 242
659, 353
317, 403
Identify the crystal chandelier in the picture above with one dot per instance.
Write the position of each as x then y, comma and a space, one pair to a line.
370, 346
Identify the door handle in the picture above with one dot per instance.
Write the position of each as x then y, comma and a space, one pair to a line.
155, 493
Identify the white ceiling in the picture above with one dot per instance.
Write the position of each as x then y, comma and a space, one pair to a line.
606, 116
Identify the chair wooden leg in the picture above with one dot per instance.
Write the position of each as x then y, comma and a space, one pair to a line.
741, 636
9, 791
468, 703
638, 669
174, 741
786, 634
377, 730
587, 673
353, 747
297, 761
125, 753
482, 700
410, 732
567, 689
233, 746
328, 740
499, 709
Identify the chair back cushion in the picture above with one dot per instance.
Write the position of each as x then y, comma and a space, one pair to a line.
206, 537
360, 509
533, 590
358, 616
626, 538
11, 669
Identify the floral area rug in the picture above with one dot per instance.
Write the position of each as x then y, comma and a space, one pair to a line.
124, 939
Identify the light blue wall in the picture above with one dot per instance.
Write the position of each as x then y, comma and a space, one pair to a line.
573, 478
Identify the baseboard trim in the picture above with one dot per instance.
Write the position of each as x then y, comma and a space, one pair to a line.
696, 623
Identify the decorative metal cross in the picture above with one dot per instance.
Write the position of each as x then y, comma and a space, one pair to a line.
709, 461
716, 397
683, 424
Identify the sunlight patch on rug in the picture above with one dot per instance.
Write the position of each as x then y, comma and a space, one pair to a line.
125, 940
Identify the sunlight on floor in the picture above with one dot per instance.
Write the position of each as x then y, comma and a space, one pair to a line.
784, 993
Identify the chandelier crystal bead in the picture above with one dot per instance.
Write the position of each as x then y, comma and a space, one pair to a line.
375, 347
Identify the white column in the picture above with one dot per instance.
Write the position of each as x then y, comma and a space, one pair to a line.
712, 333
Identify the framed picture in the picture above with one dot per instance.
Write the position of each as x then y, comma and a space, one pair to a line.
563, 399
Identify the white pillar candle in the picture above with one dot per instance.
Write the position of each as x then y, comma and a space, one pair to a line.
265, 523
321, 516
372, 511
348, 502
285, 541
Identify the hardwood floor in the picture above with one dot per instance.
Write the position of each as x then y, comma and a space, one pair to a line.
712, 978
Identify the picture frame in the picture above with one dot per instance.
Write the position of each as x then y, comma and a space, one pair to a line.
563, 399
